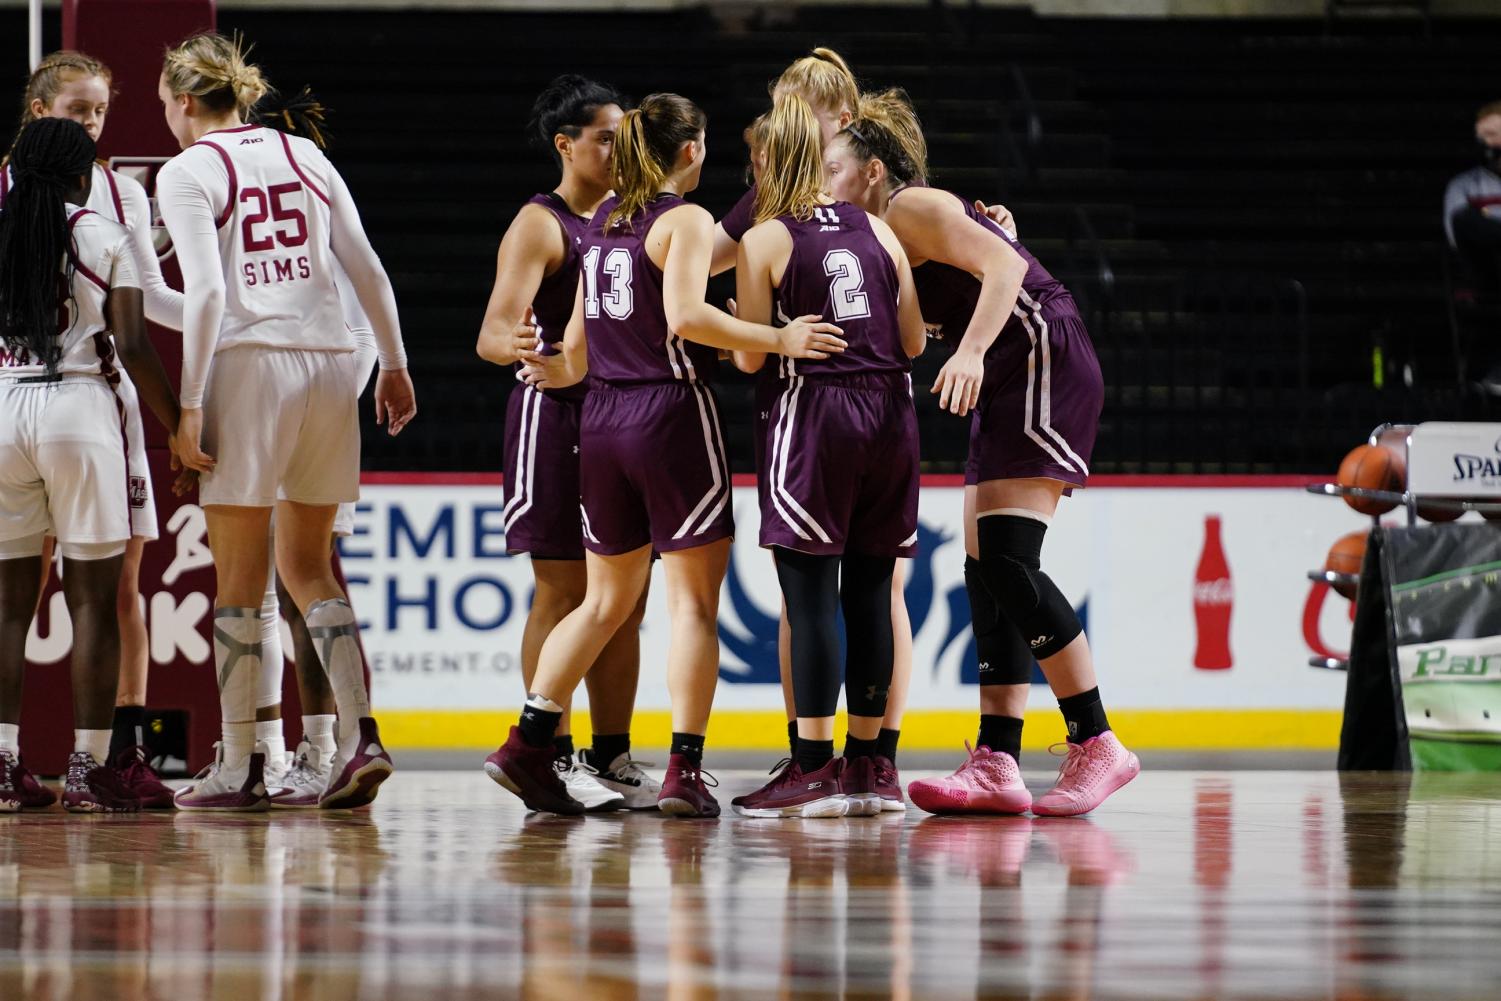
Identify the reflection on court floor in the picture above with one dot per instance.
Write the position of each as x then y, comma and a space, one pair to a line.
1187, 885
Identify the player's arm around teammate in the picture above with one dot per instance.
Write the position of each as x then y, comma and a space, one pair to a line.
536, 282
1028, 444
653, 470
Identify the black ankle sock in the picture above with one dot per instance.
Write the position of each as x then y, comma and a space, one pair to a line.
690, 746
792, 738
538, 725
608, 747
129, 729
886, 743
1085, 715
1002, 733
562, 747
813, 754
854, 747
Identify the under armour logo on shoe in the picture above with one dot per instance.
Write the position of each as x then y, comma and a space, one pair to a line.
1039, 641
815, 785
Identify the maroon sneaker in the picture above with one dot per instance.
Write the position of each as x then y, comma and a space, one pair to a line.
778, 773
684, 793
528, 772
140, 778
858, 783
10, 790
794, 794
94, 788
352, 784
889, 785
34, 795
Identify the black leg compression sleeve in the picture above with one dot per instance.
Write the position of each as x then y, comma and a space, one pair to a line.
1010, 562
1005, 658
810, 587
865, 594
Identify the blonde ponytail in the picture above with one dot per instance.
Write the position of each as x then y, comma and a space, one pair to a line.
823, 79
646, 147
792, 179
215, 70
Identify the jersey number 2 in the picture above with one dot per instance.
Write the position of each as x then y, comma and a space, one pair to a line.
845, 295
617, 301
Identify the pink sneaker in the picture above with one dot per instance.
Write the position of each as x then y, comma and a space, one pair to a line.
1090, 773
989, 782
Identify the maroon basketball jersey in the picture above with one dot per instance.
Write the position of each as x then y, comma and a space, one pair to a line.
623, 315
552, 306
948, 295
840, 271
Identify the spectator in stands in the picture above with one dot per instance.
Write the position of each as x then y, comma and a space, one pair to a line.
1472, 208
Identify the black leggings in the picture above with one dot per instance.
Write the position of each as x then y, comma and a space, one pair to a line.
815, 588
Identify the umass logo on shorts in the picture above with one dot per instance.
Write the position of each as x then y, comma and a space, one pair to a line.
138, 491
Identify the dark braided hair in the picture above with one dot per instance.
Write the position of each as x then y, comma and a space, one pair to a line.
49, 157
568, 103
303, 115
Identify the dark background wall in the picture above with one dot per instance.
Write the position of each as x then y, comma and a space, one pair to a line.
1247, 210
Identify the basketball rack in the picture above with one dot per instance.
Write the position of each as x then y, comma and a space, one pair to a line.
1451, 468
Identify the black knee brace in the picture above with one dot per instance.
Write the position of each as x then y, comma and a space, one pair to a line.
1010, 562
1004, 656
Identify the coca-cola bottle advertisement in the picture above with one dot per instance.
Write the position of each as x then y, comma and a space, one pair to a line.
1214, 597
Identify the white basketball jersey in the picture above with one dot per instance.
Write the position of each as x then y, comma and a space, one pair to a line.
269, 192
101, 260
112, 195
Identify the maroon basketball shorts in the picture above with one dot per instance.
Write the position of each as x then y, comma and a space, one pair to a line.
1040, 403
541, 515
842, 472
653, 468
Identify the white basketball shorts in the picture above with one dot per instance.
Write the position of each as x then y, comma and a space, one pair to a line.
281, 423
63, 467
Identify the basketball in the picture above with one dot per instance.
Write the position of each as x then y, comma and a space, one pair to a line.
1346, 556
1371, 467
1440, 513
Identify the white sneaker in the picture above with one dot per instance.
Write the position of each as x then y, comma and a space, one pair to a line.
584, 787
277, 768
626, 777
235, 790
304, 781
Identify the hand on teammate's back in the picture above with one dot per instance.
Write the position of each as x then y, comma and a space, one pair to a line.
998, 214
806, 337
395, 400
958, 382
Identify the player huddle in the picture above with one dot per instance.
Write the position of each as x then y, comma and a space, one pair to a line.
285, 307
845, 261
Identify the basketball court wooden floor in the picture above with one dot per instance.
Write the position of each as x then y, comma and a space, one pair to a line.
1188, 885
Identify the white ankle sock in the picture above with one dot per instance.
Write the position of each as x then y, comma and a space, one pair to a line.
239, 744
10, 738
332, 626
269, 732
319, 731
96, 742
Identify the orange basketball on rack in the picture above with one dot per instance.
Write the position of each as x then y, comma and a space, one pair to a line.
1371, 467
1346, 556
